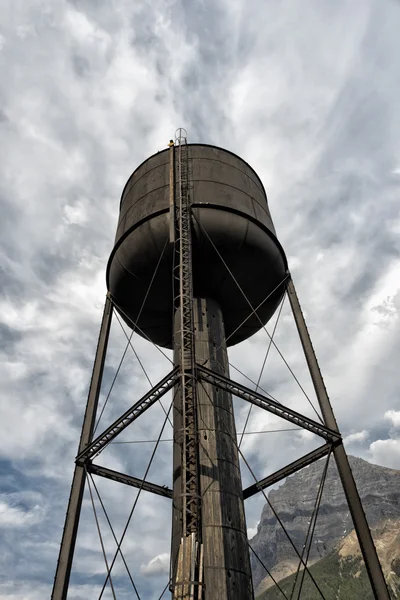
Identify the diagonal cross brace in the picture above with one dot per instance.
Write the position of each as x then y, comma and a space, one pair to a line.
146, 486
293, 467
239, 390
129, 416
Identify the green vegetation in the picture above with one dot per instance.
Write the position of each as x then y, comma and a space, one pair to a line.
338, 579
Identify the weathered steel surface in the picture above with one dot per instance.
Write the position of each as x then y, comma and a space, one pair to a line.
288, 470
230, 208
146, 486
280, 410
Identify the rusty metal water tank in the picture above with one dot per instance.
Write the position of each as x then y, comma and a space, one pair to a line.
230, 212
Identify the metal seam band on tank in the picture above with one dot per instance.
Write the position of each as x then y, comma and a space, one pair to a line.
126, 186
197, 145
126, 234
122, 215
141, 177
236, 156
194, 205
232, 167
247, 217
234, 187
202, 158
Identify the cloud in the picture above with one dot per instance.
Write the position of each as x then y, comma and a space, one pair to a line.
13, 516
386, 453
251, 532
359, 436
156, 566
75, 214
92, 90
393, 416
21, 590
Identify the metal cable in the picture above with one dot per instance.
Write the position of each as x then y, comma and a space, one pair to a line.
137, 497
113, 533
268, 431
132, 332
254, 311
305, 545
164, 590
310, 524
101, 538
142, 333
254, 383
282, 525
141, 364
269, 572
134, 351
318, 504
240, 433
262, 368
111, 388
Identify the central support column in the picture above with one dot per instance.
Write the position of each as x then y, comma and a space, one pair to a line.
226, 568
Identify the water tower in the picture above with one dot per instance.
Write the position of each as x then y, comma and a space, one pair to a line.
196, 268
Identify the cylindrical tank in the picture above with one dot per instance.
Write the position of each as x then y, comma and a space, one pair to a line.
230, 214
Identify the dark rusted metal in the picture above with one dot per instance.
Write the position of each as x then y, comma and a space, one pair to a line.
63, 571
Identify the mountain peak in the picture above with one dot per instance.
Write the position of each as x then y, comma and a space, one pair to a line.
342, 573
294, 500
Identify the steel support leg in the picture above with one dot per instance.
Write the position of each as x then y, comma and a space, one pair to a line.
366, 542
61, 580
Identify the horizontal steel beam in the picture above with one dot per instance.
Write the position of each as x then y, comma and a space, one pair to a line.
129, 416
293, 467
239, 390
147, 486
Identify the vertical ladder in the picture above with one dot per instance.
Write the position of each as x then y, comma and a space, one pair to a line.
188, 574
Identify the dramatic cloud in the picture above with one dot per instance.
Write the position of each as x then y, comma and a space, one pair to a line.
157, 565
359, 436
386, 452
307, 93
394, 417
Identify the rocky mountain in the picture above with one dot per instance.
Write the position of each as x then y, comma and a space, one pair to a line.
294, 501
341, 574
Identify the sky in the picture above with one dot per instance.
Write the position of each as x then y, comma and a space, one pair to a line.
307, 93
